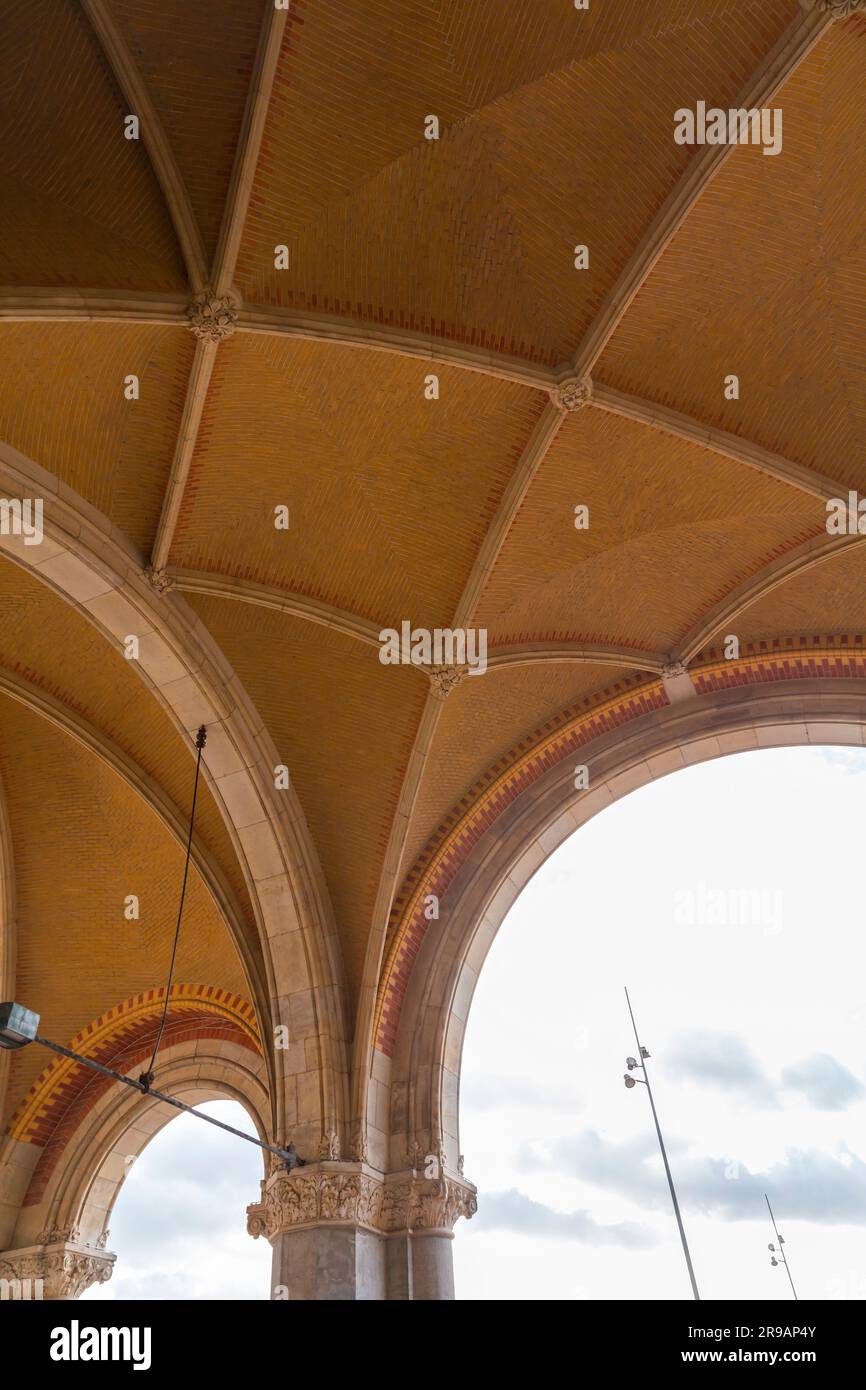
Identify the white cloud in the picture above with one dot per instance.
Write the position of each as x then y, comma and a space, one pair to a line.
808, 1184
733, 1015
825, 1083
725, 1060
179, 1225
488, 1091
513, 1211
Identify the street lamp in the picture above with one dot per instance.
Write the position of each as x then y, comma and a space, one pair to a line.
771, 1247
633, 1064
18, 1028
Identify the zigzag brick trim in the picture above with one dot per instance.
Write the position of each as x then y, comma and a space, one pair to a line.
816, 657
807, 658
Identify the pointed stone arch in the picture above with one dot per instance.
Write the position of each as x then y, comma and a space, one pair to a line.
775, 699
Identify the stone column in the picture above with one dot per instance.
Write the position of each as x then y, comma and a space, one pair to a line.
422, 1211
344, 1231
432, 1265
58, 1268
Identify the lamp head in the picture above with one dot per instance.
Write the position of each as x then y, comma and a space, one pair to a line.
629, 1081
17, 1025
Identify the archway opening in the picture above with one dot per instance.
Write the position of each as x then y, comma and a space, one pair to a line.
178, 1225
728, 898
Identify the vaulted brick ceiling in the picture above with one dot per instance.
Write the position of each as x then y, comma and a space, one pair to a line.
407, 257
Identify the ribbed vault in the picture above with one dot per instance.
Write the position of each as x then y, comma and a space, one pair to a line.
282, 263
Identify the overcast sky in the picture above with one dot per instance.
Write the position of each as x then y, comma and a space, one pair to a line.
179, 1226
730, 899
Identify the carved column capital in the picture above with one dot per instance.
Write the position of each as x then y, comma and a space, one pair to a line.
352, 1193
212, 317
573, 393
327, 1191
60, 1269
416, 1203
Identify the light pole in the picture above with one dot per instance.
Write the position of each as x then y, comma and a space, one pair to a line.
640, 1061
771, 1247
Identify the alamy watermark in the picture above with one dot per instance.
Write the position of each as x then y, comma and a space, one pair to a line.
438, 646
77, 1343
846, 516
706, 906
735, 126
21, 1290
22, 517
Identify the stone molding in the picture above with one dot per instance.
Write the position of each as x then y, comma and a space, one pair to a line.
66, 1267
841, 9
57, 1235
352, 1193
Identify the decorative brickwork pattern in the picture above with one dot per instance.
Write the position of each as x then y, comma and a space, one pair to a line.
807, 658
